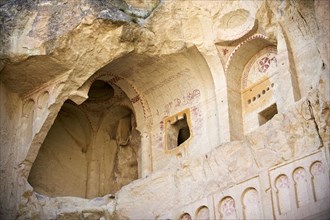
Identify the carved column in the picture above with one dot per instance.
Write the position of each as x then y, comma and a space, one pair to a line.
146, 153
92, 187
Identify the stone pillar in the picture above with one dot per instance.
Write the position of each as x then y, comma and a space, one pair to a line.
146, 158
220, 86
92, 188
266, 195
287, 77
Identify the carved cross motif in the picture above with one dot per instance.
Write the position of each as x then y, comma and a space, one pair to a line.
283, 182
228, 207
299, 174
317, 169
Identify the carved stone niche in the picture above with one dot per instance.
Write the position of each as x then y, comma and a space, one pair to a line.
91, 149
267, 114
177, 131
185, 216
258, 89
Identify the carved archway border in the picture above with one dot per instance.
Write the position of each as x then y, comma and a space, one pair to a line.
234, 69
140, 105
56, 95
231, 56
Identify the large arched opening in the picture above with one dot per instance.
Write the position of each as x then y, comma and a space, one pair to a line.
92, 149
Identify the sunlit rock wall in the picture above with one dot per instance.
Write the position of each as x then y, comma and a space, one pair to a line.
219, 110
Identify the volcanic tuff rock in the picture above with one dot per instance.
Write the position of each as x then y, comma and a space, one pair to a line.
172, 108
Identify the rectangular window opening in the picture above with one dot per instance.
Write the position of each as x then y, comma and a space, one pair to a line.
267, 114
177, 130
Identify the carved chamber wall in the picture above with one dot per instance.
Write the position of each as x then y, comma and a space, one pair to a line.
295, 194
92, 149
221, 130
254, 84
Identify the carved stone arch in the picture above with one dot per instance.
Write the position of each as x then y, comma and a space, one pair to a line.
202, 213
105, 145
27, 106
81, 94
282, 187
234, 69
299, 177
185, 216
137, 103
320, 181
43, 99
251, 204
259, 81
35, 141
261, 63
227, 208
42, 108
140, 105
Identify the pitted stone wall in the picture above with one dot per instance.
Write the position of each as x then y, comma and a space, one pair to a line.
243, 159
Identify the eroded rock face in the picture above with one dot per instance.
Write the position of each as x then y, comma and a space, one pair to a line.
34, 32
164, 109
91, 149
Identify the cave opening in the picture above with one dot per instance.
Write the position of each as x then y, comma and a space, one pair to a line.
92, 149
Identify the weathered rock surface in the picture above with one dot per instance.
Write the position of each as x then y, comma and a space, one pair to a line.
249, 79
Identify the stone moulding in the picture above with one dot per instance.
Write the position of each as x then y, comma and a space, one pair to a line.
231, 56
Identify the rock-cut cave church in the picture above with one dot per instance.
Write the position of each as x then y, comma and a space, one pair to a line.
161, 109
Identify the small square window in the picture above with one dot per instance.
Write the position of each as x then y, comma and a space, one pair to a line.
267, 114
177, 130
